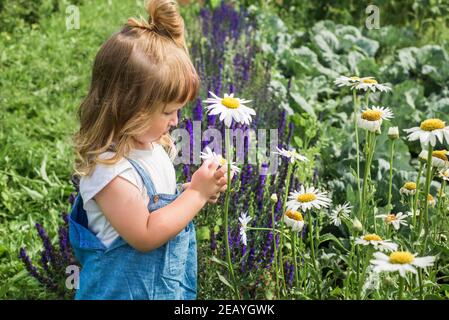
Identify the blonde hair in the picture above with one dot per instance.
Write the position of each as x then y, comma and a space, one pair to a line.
137, 72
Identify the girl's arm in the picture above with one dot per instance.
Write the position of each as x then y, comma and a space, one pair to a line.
121, 203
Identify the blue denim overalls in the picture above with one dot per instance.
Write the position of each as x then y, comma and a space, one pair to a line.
122, 272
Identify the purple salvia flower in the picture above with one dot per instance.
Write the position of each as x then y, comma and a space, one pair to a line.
65, 217
291, 128
291, 273
198, 110
213, 240
252, 253
33, 271
63, 244
261, 187
189, 128
72, 198
186, 172
49, 252
282, 123
243, 260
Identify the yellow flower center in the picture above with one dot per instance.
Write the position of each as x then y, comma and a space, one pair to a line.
401, 257
306, 197
371, 115
440, 154
372, 237
390, 218
410, 185
429, 198
222, 161
230, 103
295, 215
370, 81
432, 124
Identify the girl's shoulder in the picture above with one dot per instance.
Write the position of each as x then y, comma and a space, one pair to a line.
103, 174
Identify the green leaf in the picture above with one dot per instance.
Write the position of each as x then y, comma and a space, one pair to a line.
33, 194
219, 261
331, 237
302, 102
223, 279
203, 233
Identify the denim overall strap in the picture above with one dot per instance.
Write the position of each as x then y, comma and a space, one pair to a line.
151, 190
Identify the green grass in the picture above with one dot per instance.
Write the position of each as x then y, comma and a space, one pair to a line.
45, 72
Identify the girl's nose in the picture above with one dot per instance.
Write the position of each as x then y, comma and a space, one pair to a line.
174, 121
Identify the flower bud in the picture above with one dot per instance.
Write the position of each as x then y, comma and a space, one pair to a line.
357, 224
274, 198
393, 133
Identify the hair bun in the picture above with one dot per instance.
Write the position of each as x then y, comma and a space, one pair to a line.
165, 19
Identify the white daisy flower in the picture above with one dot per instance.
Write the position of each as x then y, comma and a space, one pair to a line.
290, 154
294, 220
371, 119
308, 198
394, 219
439, 158
244, 219
340, 211
208, 154
343, 81
401, 261
230, 108
409, 188
369, 83
444, 174
429, 131
377, 242
431, 200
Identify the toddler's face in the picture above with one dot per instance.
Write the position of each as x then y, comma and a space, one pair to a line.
160, 124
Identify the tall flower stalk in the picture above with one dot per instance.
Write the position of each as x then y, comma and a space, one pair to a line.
426, 192
229, 109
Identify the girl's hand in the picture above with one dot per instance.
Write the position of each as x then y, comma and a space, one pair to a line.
218, 174
207, 180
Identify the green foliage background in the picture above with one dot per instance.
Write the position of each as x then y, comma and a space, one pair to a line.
45, 72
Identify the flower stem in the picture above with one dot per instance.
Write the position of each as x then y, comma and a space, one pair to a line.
281, 240
440, 208
366, 174
418, 182
356, 110
312, 255
391, 174
225, 214
427, 190
295, 263
273, 227
401, 287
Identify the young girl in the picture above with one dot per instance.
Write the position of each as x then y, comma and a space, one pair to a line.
131, 227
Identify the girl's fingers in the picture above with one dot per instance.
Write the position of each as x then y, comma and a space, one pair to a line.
218, 174
222, 181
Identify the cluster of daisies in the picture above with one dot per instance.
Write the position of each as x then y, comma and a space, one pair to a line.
428, 133
309, 198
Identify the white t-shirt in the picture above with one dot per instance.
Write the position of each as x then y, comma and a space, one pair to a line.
156, 163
